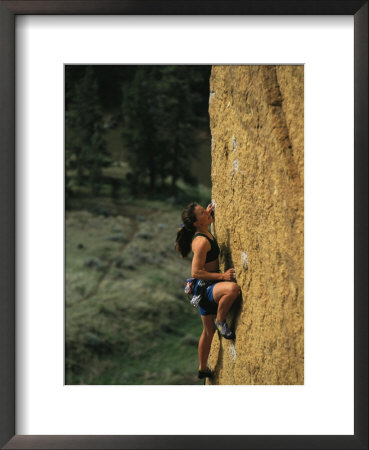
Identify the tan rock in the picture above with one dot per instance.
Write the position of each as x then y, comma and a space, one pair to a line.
257, 126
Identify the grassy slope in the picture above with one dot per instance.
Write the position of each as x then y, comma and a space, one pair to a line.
127, 318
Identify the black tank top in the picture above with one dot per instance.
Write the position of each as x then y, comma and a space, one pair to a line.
214, 251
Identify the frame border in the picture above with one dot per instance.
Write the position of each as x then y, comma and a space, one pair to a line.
8, 10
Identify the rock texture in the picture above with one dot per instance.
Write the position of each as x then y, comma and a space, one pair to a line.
257, 126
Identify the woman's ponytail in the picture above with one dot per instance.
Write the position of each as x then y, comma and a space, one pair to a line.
186, 231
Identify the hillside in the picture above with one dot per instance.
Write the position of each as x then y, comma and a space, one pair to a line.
127, 318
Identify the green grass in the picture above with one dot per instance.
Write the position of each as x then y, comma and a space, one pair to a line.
127, 317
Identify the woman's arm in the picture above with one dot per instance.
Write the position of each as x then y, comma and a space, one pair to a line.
200, 247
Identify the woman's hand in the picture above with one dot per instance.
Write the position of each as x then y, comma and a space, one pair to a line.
229, 275
209, 208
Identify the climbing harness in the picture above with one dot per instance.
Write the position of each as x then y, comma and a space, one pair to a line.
189, 289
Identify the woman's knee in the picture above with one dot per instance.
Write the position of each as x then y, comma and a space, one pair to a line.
236, 290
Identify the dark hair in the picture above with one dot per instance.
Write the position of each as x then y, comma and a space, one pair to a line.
187, 230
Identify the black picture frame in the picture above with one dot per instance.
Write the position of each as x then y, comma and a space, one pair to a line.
8, 12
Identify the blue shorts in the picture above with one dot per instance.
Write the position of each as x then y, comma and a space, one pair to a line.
208, 305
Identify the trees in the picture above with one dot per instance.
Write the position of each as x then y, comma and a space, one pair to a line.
85, 147
159, 119
176, 125
139, 123
160, 108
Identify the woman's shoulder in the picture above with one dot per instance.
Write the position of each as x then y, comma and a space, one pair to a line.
209, 238
196, 235
200, 238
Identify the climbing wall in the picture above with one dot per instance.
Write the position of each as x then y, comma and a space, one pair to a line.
257, 127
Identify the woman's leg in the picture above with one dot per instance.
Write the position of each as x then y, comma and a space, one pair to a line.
205, 339
224, 294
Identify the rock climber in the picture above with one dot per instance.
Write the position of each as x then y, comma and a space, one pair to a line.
221, 289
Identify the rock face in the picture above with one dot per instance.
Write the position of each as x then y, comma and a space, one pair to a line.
257, 127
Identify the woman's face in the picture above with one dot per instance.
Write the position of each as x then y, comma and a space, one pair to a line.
203, 217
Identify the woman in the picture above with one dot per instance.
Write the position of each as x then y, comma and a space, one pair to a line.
219, 297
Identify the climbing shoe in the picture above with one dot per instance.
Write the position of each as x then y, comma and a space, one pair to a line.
223, 330
207, 373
